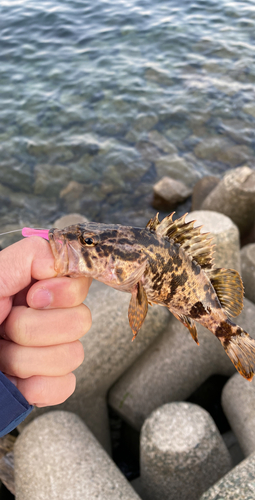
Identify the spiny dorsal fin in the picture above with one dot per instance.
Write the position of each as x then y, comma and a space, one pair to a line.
198, 246
228, 285
153, 223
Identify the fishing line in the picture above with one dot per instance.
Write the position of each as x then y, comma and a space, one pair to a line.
8, 232
29, 231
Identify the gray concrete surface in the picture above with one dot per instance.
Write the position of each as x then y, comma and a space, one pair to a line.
182, 453
56, 457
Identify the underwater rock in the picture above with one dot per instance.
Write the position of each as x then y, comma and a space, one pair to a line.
167, 193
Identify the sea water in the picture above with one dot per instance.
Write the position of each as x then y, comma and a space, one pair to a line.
98, 100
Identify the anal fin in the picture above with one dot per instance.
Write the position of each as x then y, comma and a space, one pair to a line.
138, 308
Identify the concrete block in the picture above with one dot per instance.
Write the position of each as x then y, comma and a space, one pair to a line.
238, 401
7, 462
233, 447
248, 270
109, 351
238, 484
225, 237
56, 457
182, 453
172, 368
234, 196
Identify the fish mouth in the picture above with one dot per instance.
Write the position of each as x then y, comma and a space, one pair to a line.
65, 254
58, 244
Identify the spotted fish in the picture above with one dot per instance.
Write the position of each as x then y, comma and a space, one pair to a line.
169, 263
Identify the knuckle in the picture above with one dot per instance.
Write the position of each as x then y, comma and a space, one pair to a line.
13, 356
34, 389
78, 353
18, 326
83, 319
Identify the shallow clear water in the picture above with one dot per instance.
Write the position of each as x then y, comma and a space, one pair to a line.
115, 94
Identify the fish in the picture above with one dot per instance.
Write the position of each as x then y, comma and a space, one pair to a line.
169, 263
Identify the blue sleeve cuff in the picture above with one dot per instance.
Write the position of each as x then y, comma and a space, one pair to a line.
14, 408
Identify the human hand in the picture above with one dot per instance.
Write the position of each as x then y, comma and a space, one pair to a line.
40, 323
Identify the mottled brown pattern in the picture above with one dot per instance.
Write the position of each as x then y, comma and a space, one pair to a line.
167, 263
197, 310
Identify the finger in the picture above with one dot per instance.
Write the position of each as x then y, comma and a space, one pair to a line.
50, 361
32, 327
27, 258
58, 292
46, 391
20, 299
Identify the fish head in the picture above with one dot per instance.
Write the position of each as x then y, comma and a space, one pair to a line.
109, 253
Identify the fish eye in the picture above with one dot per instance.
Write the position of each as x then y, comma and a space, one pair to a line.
87, 241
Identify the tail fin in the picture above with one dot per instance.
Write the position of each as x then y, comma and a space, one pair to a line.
240, 348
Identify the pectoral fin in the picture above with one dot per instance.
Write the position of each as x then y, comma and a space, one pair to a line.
138, 308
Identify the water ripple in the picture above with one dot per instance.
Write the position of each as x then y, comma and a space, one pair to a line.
83, 85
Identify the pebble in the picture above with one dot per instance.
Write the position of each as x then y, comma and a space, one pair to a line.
15, 175
148, 151
249, 109
177, 135
238, 484
71, 191
57, 457
71, 196
182, 453
211, 147
172, 368
237, 184
50, 151
202, 188
178, 168
161, 142
238, 401
237, 130
145, 122
248, 270
50, 179
235, 155
167, 193
108, 353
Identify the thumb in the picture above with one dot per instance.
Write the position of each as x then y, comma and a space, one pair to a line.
26, 259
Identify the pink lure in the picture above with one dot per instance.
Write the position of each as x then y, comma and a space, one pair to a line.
29, 231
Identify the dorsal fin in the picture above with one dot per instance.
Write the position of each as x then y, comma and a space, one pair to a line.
198, 246
153, 223
228, 285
